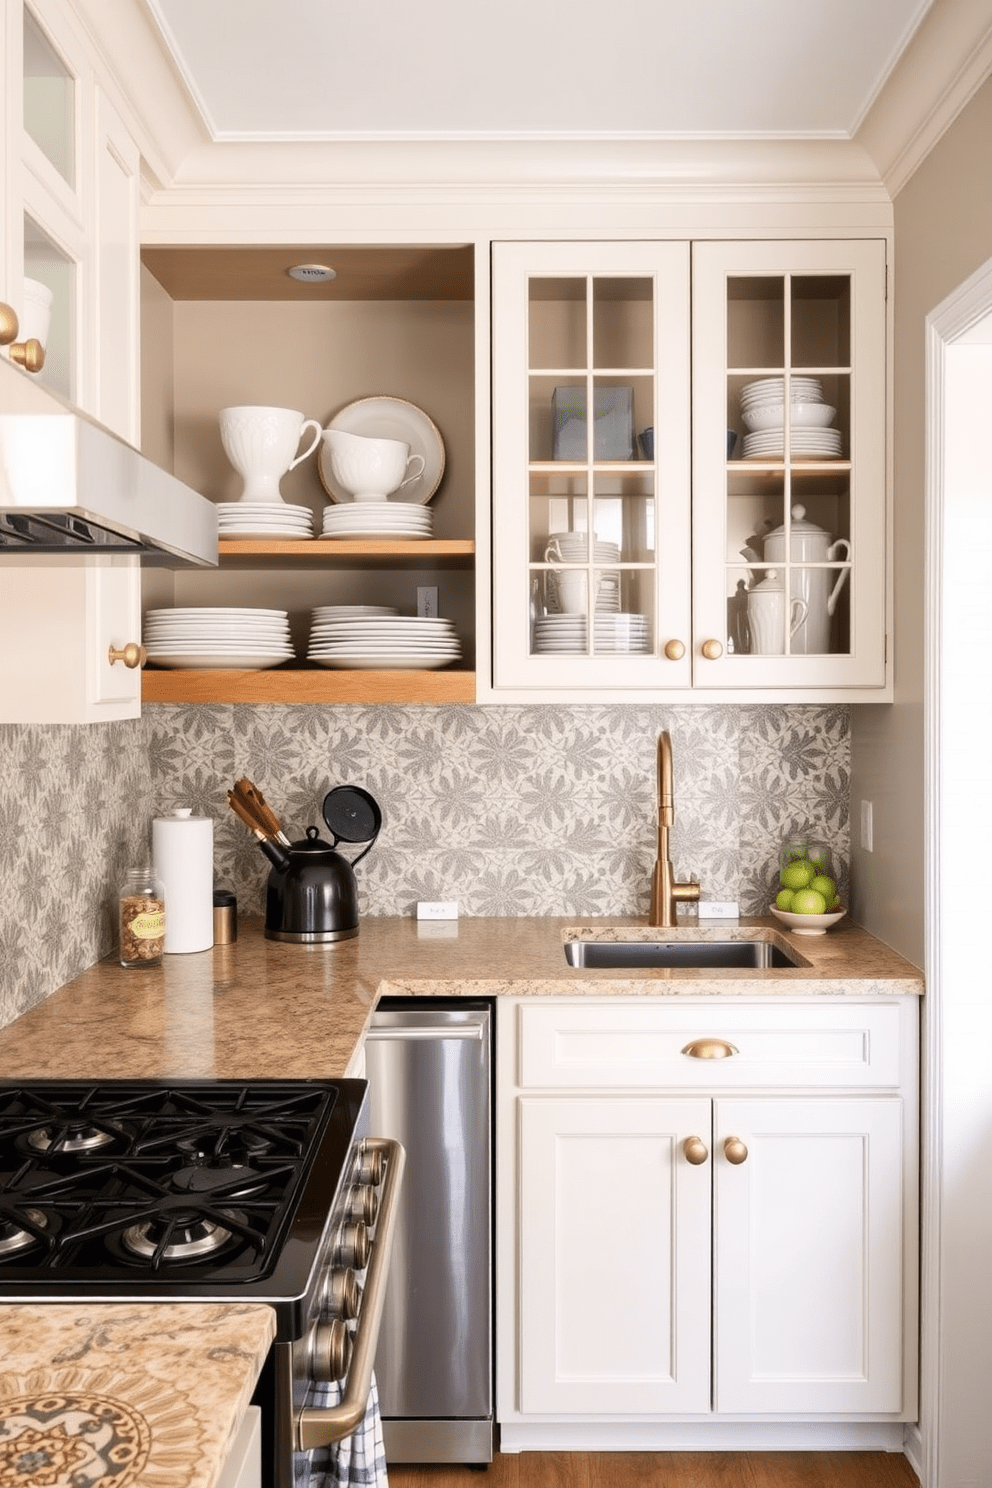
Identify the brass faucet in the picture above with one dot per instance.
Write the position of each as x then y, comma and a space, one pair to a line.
666, 894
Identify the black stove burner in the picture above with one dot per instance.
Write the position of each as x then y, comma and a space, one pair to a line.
73, 1136
175, 1238
233, 1180
14, 1238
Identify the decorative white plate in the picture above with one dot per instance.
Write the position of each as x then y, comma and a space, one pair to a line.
389, 418
221, 611
336, 612
362, 662
234, 661
808, 924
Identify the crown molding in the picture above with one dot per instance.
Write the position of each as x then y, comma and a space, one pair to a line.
947, 60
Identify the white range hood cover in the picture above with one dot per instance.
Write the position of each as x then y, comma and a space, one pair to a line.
67, 485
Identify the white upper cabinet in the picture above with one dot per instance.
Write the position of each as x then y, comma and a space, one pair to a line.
689, 537
789, 528
70, 215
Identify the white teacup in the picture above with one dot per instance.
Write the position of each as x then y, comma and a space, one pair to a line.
573, 590
369, 469
261, 443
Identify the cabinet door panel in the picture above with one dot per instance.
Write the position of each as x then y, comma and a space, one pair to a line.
808, 1252
615, 1256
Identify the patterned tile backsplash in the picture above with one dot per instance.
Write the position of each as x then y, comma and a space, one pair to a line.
527, 810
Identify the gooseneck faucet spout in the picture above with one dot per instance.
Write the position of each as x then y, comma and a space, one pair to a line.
666, 893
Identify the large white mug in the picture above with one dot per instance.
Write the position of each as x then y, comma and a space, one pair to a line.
369, 469
572, 585
261, 443
766, 616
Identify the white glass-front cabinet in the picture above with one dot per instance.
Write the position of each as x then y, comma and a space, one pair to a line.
789, 526
623, 566
591, 516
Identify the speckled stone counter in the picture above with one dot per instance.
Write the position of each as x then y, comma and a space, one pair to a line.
260, 1008
267, 1009
140, 1397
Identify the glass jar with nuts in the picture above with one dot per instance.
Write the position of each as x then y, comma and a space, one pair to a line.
142, 919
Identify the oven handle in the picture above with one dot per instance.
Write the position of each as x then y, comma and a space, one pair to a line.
318, 1426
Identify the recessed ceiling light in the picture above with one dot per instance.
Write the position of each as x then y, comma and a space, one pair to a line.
311, 273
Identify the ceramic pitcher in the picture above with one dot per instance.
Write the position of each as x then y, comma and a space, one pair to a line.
766, 615
810, 544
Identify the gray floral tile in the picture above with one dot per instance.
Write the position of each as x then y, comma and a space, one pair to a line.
512, 811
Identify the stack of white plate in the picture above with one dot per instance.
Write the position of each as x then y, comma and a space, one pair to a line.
244, 640
378, 519
263, 519
763, 411
382, 642
613, 633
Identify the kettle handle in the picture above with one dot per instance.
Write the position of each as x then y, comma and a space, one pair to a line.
843, 548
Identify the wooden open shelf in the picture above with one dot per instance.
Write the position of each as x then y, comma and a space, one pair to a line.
330, 552
307, 686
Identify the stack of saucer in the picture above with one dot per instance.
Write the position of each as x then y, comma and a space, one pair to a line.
371, 641
263, 519
378, 519
244, 640
613, 633
763, 411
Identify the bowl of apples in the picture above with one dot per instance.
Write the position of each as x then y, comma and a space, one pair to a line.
807, 899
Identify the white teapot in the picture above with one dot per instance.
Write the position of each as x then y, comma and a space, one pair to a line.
766, 615
810, 544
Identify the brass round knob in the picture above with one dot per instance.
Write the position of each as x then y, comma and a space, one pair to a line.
330, 1350
370, 1166
354, 1246
712, 649
696, 1151
363, 1204
675, 650
710, 1049
28, 354
735, 1151
342, 1294
132, 655
8, 324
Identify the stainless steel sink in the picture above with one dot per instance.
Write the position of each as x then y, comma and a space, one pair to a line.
627, 954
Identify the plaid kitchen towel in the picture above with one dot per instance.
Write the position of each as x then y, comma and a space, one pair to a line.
359, 1461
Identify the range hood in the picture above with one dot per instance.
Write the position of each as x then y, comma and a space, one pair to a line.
70, 488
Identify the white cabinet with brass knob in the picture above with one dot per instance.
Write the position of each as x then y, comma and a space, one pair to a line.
713, 1238
645, 471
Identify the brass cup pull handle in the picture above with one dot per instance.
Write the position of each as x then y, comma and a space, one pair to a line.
696, 1151
709, 1048
28, 354
711, 650
735, 1151
132, 655
675, 650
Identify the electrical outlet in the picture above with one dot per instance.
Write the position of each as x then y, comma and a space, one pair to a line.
437, 909
866, 826
427, 601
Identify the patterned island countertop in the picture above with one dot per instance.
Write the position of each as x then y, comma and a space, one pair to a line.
136, 1396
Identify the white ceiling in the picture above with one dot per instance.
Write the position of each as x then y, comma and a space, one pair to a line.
453, 69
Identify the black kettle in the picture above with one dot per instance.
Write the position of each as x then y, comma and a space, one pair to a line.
312, 896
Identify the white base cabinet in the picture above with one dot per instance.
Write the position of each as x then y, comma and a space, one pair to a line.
688, 1242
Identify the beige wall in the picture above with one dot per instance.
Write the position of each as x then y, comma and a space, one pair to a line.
943, 232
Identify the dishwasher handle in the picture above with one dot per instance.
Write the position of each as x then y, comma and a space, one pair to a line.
471, 1032
320, 1426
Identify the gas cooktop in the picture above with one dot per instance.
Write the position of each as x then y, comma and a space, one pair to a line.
187, 1190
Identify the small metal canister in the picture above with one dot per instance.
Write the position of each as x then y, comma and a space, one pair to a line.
225, 917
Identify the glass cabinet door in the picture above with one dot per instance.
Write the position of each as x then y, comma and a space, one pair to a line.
789, 464
590, 466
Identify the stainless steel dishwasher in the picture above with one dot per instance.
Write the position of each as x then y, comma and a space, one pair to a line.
428, 1062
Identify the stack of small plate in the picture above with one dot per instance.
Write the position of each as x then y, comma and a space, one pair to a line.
613, 633
381, 642
263, 519
763, 410
242, 640
378, 519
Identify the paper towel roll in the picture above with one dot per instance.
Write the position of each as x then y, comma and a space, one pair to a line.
183, 855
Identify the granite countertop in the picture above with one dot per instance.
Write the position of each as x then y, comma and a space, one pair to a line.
265, 1009
125, 1394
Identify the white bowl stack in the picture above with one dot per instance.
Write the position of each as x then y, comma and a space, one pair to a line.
573, 547
217, 638
262, 519
378, 519
375, 637
763, 411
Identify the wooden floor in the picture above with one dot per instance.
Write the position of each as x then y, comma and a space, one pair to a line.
670, 1470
